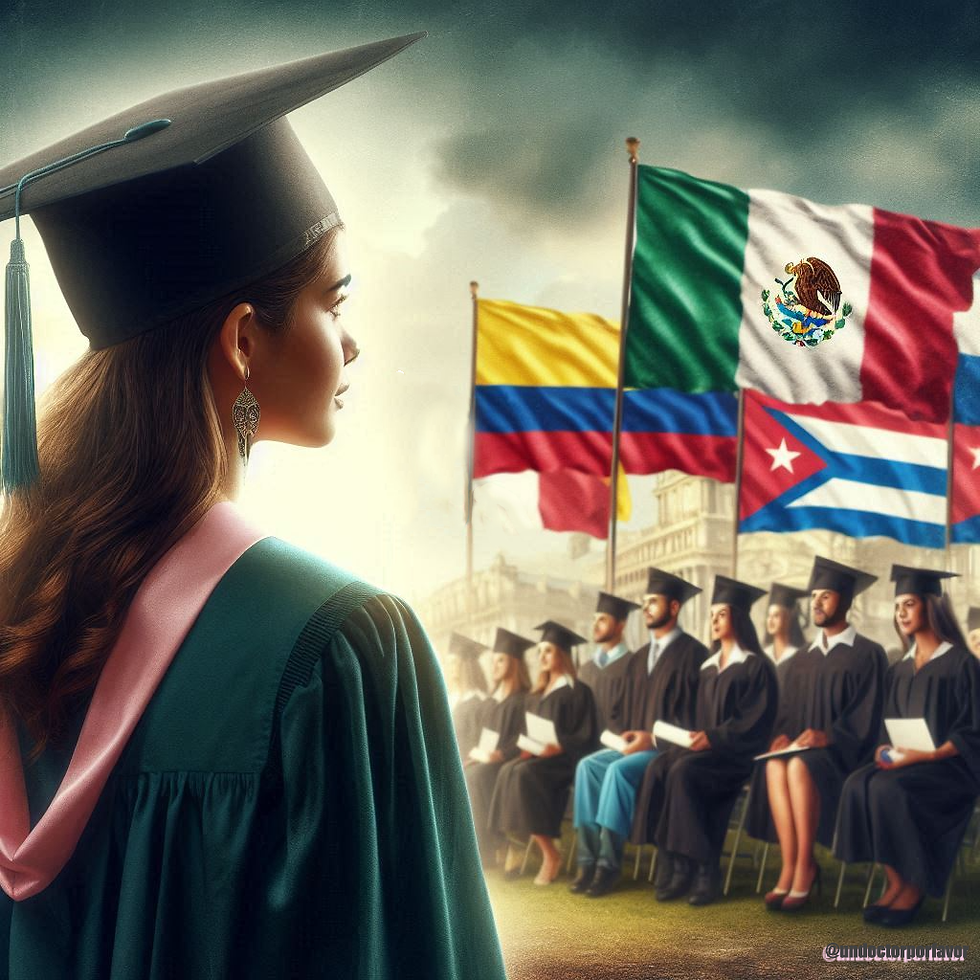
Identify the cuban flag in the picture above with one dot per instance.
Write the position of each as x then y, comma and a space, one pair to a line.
858, 469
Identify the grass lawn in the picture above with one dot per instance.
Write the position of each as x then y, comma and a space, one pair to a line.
546, 932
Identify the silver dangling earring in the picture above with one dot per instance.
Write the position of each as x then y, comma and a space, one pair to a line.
245, 414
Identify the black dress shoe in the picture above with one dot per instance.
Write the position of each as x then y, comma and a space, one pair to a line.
680, 880
895, 918
586, 872
705, 888
603, 883
665, 870
873, 913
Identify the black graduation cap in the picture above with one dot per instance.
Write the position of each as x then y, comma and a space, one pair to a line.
973, 619
785, 595
463, 646
614, 606
735, 593
511, 644
168, 206
832, 575
560, 635
920, 581
660, 582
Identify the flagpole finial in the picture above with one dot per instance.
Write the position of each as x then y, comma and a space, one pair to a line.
633, 148
474, 289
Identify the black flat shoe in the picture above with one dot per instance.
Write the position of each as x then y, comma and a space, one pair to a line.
705, 888
586, 872
896, 918
603, 883
873, 913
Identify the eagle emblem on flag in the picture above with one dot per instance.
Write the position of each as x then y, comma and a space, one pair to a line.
808, 307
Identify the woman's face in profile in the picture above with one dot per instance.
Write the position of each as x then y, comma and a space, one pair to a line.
910, 613
303, 380
721, 622
548, 657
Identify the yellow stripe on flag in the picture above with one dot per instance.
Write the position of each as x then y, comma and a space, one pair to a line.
529, 345
624, 502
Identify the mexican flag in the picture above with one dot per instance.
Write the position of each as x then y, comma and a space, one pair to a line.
804, 302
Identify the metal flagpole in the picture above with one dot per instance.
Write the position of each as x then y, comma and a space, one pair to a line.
740, 444
632, 147
471, 449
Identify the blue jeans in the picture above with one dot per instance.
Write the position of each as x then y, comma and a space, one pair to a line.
606, 784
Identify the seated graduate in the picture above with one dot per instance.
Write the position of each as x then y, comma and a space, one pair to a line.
830, 705
606, 671
909, 809
661, 683
532, 790
973, 630
467, 685
503, 714
688, 793
784, 633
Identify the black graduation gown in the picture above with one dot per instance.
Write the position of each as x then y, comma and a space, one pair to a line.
840, 693
914, 818
531, 795
468, 723
667, 694
607, 687
686, 798
781, 665
507, 719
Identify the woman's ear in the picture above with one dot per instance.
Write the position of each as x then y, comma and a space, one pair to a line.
237, 337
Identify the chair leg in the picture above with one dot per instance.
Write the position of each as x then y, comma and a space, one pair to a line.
762, 868
527, 854
738, 837
653, 864
636, 864
840, 883
571, 852
949, 891
867, 890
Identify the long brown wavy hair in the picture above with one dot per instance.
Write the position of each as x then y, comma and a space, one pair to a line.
131, 456
565, 666
941, 619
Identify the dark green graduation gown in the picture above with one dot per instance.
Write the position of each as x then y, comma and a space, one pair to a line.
290, 804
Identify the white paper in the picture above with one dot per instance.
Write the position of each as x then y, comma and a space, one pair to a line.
613, 741
910, 733
541, 729
489, 739
664, 731
790, 749
530, 745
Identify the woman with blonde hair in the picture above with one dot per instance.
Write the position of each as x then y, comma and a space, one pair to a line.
531, 793
220, 755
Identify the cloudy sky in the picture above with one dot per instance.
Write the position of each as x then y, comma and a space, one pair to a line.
493, 150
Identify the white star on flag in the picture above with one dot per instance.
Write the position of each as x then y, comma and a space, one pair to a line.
783, 456
976, 457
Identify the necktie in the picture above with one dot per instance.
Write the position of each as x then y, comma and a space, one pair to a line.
652, 659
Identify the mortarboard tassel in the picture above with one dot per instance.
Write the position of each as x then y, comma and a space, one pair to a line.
20, 466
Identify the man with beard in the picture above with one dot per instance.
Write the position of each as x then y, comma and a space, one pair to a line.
831, 710
660, 683
605, 672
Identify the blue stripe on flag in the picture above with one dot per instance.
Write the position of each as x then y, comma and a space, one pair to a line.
517, 408
966, 532
966, 390
853, 523
713, 413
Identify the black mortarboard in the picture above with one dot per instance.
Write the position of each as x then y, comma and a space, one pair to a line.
208, 190
973, 619
919, 581
511, 644
660, 582
612, 604
463, 646
785, 595
560, 635
734, 593
832, 575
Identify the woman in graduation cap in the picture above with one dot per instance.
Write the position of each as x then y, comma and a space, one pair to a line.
784, 634
467, 686
909, 809
689, 791
531, 792
220, 755
829, 716
503, 716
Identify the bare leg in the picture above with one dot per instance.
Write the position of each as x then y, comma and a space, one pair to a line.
894, 885
551, 860
909, 894
805, 799
782, 817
